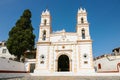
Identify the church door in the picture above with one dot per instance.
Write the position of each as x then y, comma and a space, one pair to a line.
63, 63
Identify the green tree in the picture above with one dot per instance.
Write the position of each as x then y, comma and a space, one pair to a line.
21, 37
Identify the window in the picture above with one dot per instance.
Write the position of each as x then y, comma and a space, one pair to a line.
85, 62
99, 66
44, 35
42, 62
85, 56
45, 22
82, 20
42, 56
4, 50
83, 33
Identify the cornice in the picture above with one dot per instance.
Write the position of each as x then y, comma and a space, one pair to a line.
84, 40
66, 33
38, 43
83, 24
45, 26
44, 16
68, 50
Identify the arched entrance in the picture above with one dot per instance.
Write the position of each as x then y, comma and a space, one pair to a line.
63, 63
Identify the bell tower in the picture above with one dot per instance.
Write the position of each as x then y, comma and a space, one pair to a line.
84, 42
45, 26
43, 45
82, 25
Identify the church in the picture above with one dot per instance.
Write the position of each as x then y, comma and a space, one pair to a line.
63, 51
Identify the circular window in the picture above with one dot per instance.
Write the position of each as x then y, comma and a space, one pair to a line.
85, 56
42, 56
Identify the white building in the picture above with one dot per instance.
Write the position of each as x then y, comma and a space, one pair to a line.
64, 51
4, 53
108, 63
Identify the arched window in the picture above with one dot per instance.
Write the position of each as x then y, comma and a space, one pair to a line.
83, 33
45, 22
44, 35
99, 66
82, 20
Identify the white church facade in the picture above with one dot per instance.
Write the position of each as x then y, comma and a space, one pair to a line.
64, 51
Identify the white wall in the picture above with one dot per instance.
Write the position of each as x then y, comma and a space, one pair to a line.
6, 54
9, 65
63, 36
107, 63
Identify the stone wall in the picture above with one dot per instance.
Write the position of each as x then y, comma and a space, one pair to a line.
9, 65
9, 68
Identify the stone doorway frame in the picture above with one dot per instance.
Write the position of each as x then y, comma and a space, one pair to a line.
70, 61
59, 62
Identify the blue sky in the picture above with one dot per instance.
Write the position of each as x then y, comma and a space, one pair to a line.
103, 16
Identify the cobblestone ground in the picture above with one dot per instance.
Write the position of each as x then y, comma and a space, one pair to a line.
67, 78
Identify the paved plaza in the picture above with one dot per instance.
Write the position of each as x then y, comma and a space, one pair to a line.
67, 78
95, 76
